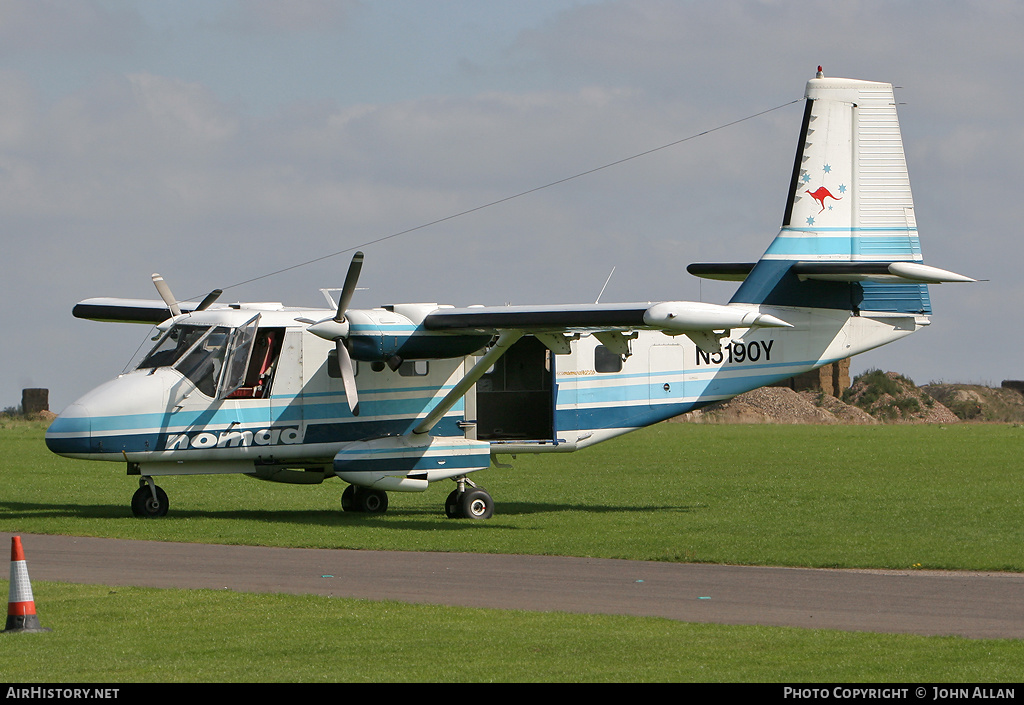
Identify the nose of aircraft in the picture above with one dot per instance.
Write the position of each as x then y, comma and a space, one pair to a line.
70, 433
122, 415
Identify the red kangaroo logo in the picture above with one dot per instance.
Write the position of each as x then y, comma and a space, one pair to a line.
820, 195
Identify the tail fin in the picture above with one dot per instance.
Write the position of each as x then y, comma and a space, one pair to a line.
849, 236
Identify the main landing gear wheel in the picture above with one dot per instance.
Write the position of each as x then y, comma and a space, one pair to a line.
473, 503
451, 505
362, 499
149, 502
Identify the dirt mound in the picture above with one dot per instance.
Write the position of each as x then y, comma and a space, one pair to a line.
893, 398
779, 405
874, 397
843, 412
972, 402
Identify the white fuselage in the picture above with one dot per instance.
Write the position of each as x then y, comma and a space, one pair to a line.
532, 401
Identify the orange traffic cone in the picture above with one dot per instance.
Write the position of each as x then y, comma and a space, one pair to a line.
21, 608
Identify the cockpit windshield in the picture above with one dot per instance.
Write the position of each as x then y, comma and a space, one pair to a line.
173, 345
199, 353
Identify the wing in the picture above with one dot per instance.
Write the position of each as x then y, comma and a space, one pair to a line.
141, 310
556, 326
128, 310
535, 319
673, 317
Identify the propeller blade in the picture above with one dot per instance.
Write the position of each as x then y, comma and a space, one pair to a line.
210, 298
166, 295
348, 376
350, 285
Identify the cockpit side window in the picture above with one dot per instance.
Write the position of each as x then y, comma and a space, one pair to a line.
204, 362
263, 359
238, 352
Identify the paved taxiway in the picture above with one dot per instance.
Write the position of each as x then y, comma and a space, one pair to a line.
976, 605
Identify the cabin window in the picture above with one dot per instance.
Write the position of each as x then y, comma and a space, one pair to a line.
414, 368
606, 361
334, 369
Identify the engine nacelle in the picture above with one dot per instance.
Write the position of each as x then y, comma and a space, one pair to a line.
384, 334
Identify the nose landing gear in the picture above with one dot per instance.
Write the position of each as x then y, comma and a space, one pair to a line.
149, 501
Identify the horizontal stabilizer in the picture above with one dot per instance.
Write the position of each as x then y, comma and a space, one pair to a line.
906, 272
915, 271
722, 271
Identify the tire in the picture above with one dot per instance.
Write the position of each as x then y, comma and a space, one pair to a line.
476, 504
452, 508
143, 505
348, 499
371, 501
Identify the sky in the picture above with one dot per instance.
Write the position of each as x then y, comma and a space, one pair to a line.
219, 142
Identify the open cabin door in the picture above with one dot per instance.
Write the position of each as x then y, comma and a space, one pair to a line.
515, 399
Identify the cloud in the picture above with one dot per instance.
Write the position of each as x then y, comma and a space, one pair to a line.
159, 165
294, 16
48, 27
184, 113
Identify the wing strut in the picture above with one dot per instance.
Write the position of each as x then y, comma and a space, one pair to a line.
505, 340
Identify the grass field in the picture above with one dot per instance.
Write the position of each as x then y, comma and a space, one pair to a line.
929, 497
934, 497
140, 635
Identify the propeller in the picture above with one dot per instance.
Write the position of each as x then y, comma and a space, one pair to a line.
210, 298
166, 295
337, 329
172, 303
